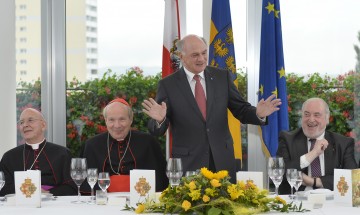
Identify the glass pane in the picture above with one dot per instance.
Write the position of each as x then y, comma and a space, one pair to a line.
110, 35
318, 41
28, 55
114, 49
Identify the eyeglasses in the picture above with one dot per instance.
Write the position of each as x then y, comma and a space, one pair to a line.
30, 121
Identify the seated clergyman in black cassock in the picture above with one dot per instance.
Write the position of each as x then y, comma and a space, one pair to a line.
38, 154
121, 149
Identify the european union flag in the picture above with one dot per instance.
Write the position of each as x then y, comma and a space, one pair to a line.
272, 78
222, 55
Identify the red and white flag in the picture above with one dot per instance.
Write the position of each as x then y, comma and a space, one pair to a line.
170, 61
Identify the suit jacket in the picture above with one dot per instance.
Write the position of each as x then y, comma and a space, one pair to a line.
193, 137
339, 154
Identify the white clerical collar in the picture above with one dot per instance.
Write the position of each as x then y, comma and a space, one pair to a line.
35, 146
191, 75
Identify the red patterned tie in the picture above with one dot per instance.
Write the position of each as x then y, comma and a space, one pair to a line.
315, 165
200, 96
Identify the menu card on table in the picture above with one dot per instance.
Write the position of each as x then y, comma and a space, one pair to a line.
142, 186
254, 177
347, 187
28, 188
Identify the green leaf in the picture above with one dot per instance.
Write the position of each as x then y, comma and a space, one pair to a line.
214, 211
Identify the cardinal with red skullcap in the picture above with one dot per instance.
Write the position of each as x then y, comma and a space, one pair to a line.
122, 149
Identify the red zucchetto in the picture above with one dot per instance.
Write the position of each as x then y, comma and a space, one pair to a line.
120, 100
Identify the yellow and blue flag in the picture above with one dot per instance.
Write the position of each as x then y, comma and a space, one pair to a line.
272, 78
222, 55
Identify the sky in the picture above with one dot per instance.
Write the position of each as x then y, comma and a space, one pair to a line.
318, 36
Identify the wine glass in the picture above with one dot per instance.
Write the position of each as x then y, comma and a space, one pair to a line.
2, 182
92, 177
276, 169
104, 181
174, 171
190, 173
78, 173
291, 178
298, 182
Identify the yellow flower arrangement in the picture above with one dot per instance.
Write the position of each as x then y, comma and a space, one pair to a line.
213, 193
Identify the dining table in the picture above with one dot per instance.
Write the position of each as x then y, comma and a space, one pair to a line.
62, 205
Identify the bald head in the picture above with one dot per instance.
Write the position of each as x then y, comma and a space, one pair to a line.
193, 53
32, 126
118, 118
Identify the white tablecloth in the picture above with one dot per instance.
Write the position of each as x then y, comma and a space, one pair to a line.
63, 206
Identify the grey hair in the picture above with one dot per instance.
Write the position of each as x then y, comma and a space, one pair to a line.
325, 105
180, 43
130, 111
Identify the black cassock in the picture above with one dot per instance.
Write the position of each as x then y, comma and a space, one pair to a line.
53, 162
142, 151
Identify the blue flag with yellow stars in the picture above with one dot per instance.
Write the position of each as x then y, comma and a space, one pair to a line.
222, 55
272, 78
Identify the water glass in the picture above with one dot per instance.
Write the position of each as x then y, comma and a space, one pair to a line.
92, 177
104, 181
276, 169
101, 197
298, 182
291, 178
190, 173
78, 172
174, 171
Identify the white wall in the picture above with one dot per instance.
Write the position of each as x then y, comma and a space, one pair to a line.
7, 76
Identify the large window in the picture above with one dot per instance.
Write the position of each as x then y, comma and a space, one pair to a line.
28, 55
319, 37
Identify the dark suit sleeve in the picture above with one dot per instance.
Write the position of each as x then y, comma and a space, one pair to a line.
152, 124
291, 160
346, 160
285, 151
240, 108
349, 159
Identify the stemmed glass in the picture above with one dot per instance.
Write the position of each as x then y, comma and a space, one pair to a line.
92, 177
298, 182
78, 173
276, 169
174, 171
291, 178
2, 181
104, 181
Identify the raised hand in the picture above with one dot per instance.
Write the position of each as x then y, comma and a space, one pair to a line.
154, 110
266, 107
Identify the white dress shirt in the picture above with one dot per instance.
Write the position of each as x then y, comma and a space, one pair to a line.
192, 82
305, 163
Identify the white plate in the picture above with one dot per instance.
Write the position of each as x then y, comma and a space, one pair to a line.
304, 194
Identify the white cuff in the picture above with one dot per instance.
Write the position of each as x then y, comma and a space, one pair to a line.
159, 124
303, 162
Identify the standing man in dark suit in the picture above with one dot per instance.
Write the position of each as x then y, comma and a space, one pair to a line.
330, 150
201, 136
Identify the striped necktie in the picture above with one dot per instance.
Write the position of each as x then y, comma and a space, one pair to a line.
315, 165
